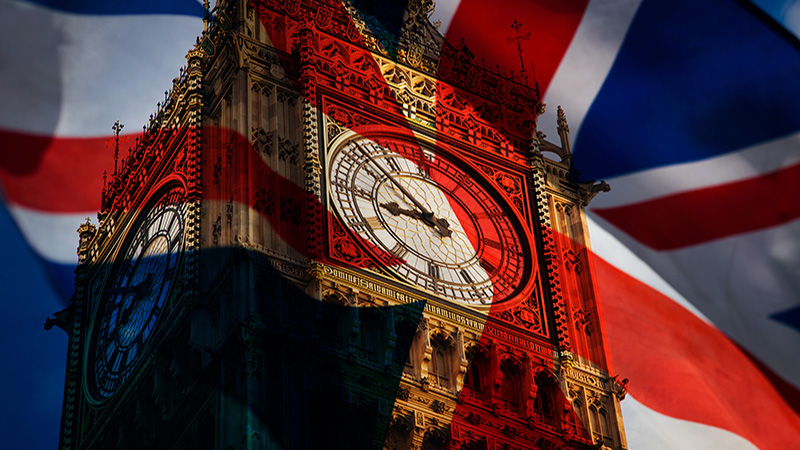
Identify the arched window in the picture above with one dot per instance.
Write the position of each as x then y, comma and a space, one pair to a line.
476, 376
440, 369
543, 404
397, 439
599, 418
372, 328
336, 321
439, 372
405, 353
434, 439
511, 389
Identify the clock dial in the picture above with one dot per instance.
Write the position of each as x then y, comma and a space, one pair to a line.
452, 235
133, 301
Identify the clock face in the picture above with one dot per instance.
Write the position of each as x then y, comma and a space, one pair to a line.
132, 301
453, 237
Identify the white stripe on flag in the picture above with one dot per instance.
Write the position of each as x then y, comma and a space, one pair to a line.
53, 236
647, 429
743, 164
74, 75
587, 62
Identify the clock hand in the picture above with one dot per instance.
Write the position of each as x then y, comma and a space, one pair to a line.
442, 225
139, 291
396, 210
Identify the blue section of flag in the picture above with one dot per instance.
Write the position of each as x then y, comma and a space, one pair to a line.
790, 317
692, 80
105, 7
33, 360
62, 278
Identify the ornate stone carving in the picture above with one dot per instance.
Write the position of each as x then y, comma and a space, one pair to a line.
528, 314
438, 406
583, 321
344, 249
290, 210
403, 393
287, 150
263, 141
263, 201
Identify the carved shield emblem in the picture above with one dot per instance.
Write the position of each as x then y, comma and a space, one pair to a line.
292, 7
208, 46
474, 77
414, 55
323, 17
503, 89
353, 33
445, 66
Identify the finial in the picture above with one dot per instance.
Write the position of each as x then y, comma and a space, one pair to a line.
206, 15
518, 39
117, 127
86, 226
563, 133
561, 120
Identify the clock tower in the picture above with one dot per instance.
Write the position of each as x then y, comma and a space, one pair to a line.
336, 234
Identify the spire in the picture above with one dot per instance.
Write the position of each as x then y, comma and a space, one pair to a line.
563, 133
518, 39
86, 232
117, 127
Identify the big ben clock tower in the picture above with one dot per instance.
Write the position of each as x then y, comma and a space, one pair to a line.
331, 235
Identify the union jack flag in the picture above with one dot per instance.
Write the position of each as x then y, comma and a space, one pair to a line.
689, 110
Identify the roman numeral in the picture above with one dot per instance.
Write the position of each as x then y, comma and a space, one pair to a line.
340, 187
362, 193
393, 166
487, 266
492, 243
465, 276
399, 251
487, 215
371, 172
422, 172
374, 223
433, 270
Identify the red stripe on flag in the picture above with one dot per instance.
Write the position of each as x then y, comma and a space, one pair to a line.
685, 368
694, 217
486, 30
59, 175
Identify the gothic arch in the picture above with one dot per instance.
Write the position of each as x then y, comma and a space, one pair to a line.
477, 382
545, 406
441, 371
512, 386
434, 439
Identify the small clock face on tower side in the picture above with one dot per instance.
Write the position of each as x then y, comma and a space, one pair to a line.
452, 235
135, 296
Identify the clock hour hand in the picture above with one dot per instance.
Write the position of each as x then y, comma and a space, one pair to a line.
139, 290
441, 225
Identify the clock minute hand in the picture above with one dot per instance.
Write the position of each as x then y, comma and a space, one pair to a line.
442, 225
396, 210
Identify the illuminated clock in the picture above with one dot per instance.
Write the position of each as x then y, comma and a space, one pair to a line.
454, 236
132, 302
